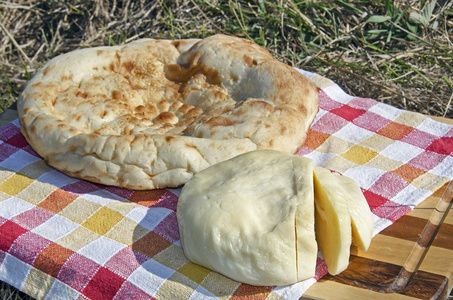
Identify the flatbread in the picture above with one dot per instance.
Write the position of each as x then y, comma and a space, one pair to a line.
152, 113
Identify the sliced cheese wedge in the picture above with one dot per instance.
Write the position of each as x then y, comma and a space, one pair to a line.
305, 217
361, 217
332, 221
251, 218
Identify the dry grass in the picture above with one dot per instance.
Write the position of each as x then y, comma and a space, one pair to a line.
7, 292
397, 52
333, 38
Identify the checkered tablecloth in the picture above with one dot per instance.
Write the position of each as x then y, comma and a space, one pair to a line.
65, 238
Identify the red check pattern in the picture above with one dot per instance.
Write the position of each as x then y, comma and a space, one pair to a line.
61, 237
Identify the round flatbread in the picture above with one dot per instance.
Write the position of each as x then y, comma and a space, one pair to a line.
151, 113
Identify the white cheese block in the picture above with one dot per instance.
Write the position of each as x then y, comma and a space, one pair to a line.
251, 218
359, 210
332, 220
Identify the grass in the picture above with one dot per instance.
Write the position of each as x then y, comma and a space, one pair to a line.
7, 292
396, 52
399, 52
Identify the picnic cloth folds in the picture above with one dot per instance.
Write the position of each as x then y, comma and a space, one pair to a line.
65, 238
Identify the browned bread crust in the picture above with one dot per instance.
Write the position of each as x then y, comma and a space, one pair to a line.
151, 113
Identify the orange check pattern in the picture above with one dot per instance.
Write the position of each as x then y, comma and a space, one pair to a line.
65, 238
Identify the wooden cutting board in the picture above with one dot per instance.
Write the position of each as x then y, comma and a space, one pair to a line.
388, 269
395, 253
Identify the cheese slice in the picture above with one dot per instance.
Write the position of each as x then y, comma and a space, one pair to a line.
251, 218
332, 220
305, 217
361, 217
